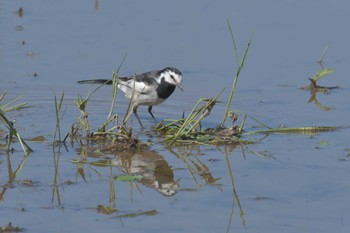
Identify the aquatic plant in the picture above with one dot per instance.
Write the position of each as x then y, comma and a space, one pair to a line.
58, 106
239, 67
188, 130
10, 124
314, 87
309, 130
10, 228
118, 135
323, 72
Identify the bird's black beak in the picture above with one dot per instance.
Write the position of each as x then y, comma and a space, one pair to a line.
179, 86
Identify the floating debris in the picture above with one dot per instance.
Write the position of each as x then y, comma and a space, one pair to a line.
19, 12
135, 214
103, 209
128, 178
10, 228
323, 72
309, 130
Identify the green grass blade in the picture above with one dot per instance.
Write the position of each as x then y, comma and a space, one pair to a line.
13, 132
114, 88
233, 41
296, 130
130, 106
239, 68
114, 95
322, 73
135, 214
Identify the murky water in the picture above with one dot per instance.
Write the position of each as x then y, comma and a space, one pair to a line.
283, 183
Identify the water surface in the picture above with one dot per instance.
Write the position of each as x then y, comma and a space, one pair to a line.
283, 183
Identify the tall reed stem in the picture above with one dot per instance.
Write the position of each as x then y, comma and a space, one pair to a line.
239, 67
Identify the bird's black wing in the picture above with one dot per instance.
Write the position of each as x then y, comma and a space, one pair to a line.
144, 82
149, 78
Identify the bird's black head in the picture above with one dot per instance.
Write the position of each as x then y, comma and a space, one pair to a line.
171, 76
172, 69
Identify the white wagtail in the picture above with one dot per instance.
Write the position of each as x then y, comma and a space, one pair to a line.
151, 88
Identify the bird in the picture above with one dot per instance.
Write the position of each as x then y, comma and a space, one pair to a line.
149, 88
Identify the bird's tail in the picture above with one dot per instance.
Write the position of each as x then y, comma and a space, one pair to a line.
96, 81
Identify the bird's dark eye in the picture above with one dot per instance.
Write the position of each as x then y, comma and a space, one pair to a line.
172, 76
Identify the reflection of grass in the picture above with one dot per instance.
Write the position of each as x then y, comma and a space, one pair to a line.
56, 154
235, 196
12, 174
314, 99
195, 167
55, 182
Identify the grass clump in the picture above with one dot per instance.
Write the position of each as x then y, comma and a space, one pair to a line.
115, 135
10, 228
189, 130
9, 124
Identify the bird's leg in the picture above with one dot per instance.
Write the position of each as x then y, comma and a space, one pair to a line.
135, 113
150, 112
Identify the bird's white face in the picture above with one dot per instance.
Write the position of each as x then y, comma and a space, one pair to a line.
173, 78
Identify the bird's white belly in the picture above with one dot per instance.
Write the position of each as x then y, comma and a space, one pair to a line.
150, 100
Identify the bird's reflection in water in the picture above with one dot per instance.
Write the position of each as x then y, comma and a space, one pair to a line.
155, 171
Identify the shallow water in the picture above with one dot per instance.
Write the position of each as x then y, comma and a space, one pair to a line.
284, 183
